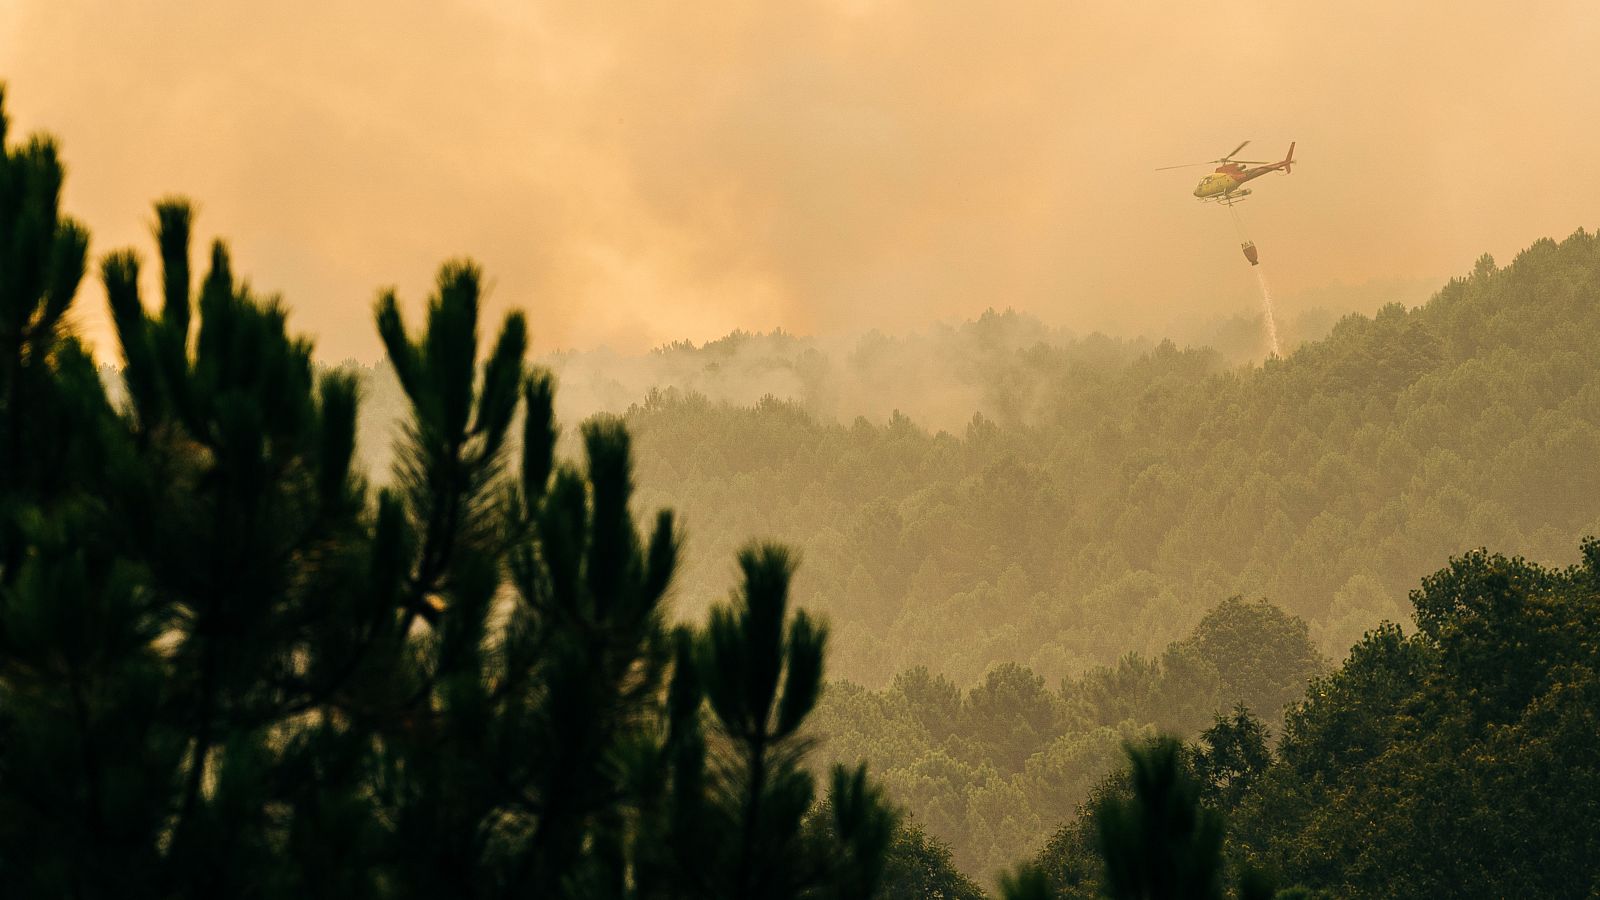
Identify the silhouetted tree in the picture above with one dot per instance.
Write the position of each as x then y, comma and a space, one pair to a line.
228, 670
1160, 842
1229, 758
42, 260
760, 669
919, 867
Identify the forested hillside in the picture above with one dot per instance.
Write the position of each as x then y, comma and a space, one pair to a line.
1461, 759
999, 766
1106, 500
1457, 758
1014, 598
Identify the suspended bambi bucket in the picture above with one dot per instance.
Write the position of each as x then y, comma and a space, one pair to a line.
1248, 246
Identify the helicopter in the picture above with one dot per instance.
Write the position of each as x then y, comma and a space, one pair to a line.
1224, 185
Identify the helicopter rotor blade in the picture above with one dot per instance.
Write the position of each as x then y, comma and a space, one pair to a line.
1225, 159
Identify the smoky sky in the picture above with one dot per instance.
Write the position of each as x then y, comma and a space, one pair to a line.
637, 172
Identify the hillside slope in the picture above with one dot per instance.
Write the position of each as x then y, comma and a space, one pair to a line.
1109, 500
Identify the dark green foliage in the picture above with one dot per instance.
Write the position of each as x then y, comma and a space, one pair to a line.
1003, 764
227, 670
1230, 756
448, 469
1160, 842
199, 646
178, 584
760, 670
1262, 656
1027, 883
42, 259
754, 645
90, 765
1460, 760
1071, 860
919, 867
1147, 830
864, 826
1256, 885
538, 435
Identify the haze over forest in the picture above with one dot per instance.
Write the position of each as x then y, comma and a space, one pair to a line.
1003, 491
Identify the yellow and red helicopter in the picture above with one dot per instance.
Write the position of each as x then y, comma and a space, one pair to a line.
1226, 184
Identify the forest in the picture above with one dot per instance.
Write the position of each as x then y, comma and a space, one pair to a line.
1151, 623
1083, 497
1101, 505
1002, 764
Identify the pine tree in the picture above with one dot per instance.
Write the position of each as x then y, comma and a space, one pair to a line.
243, 513
1161, 842
740, 788
42, 260
543, 646
84, 769
228, 669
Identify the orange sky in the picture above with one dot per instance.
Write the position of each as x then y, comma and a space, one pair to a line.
635, 172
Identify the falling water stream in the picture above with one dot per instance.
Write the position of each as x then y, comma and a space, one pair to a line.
1261, 278
1266, 303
